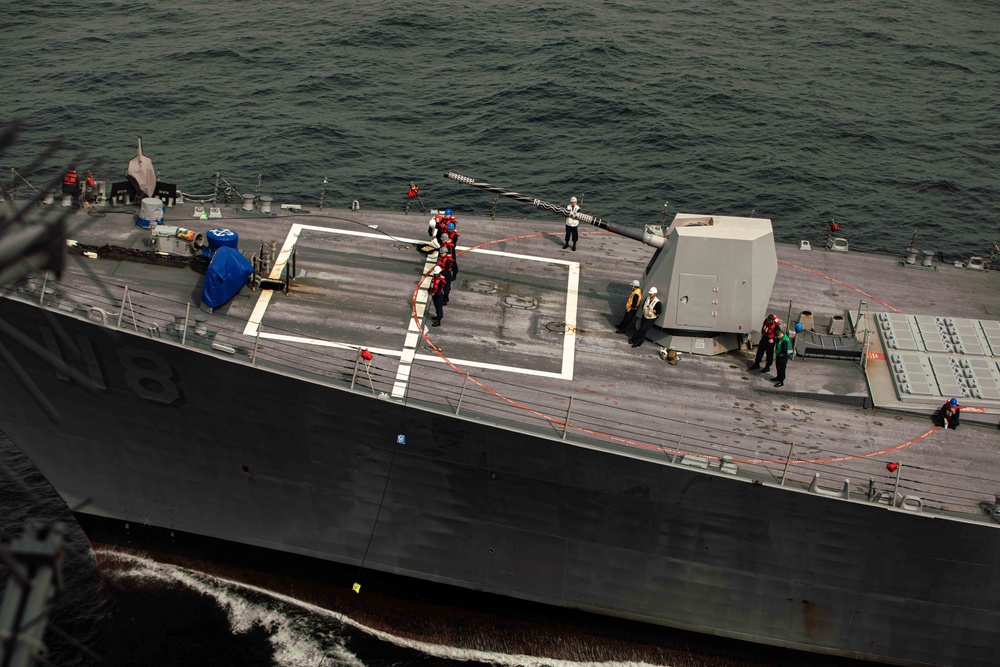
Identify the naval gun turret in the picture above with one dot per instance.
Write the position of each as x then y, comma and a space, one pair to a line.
714, 273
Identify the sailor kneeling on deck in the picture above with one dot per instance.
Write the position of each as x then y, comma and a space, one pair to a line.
948, 414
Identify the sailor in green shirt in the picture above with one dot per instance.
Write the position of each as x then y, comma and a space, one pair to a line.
781, 352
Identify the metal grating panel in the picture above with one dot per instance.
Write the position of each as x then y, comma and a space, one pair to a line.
934, 358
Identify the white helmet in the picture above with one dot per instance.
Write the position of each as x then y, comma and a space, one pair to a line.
635, 283
652, 290
572, 200
436, 270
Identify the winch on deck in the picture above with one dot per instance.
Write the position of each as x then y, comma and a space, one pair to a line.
214, 253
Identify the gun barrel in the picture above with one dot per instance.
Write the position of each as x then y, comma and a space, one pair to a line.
630, 232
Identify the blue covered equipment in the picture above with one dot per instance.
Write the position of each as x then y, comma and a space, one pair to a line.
226, 276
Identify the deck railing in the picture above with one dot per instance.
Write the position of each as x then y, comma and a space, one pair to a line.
574, 418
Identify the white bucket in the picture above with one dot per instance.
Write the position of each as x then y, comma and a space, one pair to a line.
150, 210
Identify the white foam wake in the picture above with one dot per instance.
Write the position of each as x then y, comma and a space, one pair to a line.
292, 646
294, 641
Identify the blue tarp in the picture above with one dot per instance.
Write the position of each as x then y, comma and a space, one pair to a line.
226, 276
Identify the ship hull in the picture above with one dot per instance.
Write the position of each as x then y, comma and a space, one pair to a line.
202, 446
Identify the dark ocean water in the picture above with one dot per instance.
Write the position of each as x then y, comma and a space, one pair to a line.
883, 115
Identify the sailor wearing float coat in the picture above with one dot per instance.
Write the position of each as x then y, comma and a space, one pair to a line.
631, 307
651, 309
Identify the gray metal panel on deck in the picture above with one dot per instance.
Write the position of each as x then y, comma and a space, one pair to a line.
935, 358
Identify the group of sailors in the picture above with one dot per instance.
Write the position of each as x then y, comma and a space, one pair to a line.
647, 309
774, 346
76, 187
444, 239
442, 230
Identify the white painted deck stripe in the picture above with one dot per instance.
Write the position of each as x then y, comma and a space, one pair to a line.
412, 334
572, 300
408, 354
253, 324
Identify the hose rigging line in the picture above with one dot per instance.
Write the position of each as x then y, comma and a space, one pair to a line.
371, 536
841, 283
561, 421
630, 232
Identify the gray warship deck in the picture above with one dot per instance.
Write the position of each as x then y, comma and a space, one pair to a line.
522, 448
528, 341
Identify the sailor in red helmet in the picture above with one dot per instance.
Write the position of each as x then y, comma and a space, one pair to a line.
766, 344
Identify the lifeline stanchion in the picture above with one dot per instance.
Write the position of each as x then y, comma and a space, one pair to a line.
127, 298
895, 489
368, 356
461, 394
788, 462
680, 439
569, 409
357, 362
256, 343
41, 297
184, 331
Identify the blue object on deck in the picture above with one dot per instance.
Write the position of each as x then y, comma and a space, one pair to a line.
226, 276
222, 238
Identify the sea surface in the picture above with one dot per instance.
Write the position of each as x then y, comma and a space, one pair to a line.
884, 116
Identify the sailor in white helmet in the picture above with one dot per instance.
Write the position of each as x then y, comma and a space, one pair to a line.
572, 224
631, 307
651, 309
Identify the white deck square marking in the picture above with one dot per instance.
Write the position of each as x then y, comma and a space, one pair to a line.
412, 336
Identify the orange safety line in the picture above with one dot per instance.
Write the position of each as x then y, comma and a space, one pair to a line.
607, 436
845, 458
834, 280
